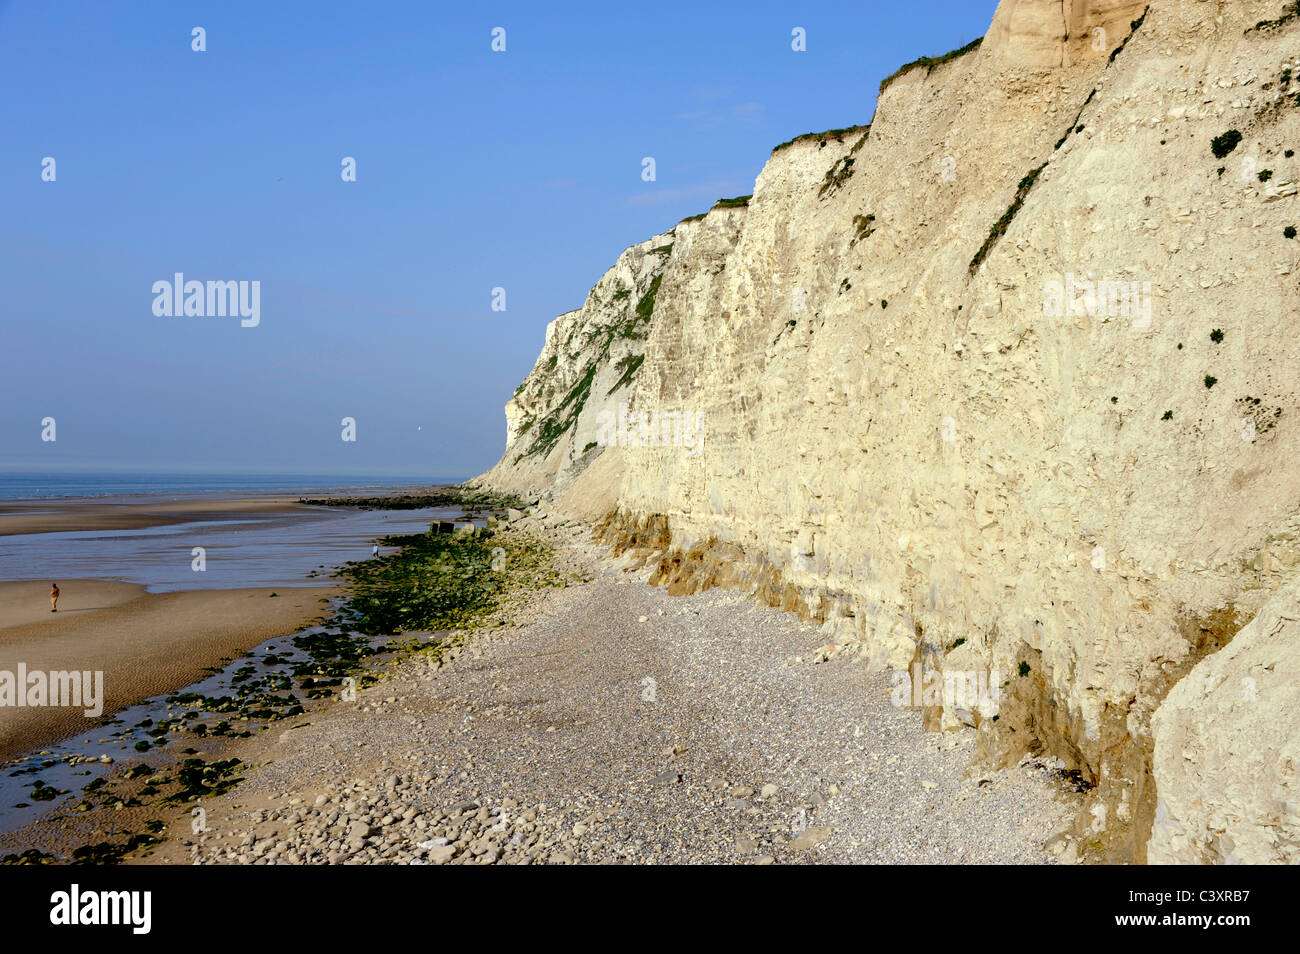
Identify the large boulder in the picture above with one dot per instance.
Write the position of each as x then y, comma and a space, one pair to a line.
1227, 749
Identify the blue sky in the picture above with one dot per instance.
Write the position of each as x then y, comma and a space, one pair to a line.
474, 170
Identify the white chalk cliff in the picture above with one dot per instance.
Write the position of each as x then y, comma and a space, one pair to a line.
912, 434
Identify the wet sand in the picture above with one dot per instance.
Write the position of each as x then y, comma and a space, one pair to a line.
52, 516
29, 602
145, 643
149, 643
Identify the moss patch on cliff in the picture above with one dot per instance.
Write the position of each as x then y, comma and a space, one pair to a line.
1253, 408
836, 176
550, 427
1225, 143
628, 366
1000, 226
1290, 11
645, 308
930, 62
560, 418
863, 226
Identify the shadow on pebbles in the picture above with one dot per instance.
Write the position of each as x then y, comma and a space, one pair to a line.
613, 723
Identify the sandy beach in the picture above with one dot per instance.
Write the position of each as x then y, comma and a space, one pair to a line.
28, 602
53, 516
144, 643
134, 606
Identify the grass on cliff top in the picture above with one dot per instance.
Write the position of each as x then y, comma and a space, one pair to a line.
930, 62
739, 202
439, 581
822, 137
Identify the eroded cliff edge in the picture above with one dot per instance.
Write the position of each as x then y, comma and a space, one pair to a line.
909, 435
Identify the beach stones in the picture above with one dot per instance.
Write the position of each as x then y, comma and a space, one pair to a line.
810, 838
441, 854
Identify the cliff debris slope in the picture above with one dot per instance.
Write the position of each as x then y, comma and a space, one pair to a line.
1005, 381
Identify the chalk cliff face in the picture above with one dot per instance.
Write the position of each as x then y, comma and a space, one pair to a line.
590, 359
1057, 33
1007, 380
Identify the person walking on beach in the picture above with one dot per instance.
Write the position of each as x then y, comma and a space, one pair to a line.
374, 551
54, 597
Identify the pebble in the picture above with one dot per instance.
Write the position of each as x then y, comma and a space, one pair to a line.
477, 771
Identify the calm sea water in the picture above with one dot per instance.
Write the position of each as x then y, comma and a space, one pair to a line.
242, 550
247, 551
38, 486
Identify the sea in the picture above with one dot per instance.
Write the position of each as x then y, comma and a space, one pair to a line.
31, 485
237, 550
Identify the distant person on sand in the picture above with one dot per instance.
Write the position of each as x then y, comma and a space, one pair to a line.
374, 551
54, 597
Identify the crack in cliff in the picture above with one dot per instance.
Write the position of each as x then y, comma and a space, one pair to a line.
1027, 183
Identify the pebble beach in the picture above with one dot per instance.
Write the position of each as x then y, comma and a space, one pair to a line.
611, 723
